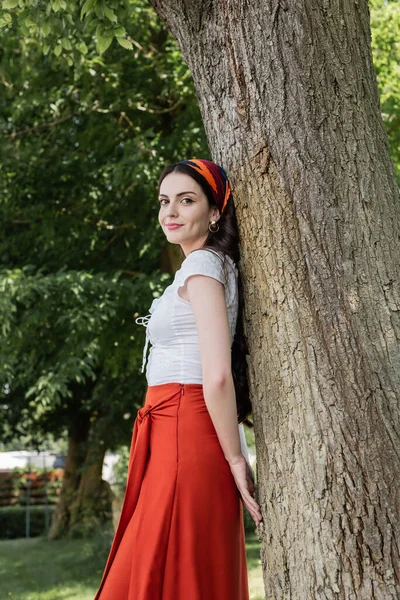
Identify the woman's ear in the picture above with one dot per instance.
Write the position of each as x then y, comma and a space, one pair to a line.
215, 215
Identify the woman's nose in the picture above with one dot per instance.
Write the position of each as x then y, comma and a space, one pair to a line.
172, 210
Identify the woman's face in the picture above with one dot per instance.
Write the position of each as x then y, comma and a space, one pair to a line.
183, 202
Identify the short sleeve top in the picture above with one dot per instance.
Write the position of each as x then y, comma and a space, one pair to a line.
171, 328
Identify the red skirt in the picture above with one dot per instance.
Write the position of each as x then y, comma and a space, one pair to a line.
180, 535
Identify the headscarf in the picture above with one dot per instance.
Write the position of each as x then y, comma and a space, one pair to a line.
215, 177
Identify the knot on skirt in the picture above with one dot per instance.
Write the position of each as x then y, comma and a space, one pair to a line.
143, 412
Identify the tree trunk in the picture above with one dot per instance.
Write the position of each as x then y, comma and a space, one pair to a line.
85, 502
290, 105
92, 506
77, 439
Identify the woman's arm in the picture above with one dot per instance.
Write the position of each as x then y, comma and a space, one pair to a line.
207, 298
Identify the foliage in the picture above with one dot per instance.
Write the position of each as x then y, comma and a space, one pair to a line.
84, 143
13, 521
385, 30
57, 23
64, 329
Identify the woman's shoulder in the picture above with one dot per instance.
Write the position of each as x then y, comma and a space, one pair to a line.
204, 262
210, 256
217, 264
214, 263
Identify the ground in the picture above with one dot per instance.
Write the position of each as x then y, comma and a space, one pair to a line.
35, 569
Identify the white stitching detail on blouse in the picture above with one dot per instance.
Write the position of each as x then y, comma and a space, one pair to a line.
144, 321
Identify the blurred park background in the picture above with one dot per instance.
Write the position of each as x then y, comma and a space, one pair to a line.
87, 124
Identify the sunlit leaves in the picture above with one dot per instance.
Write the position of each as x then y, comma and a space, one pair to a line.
82, 47
104, 37
87, 7
10, 3
56, 330
385, 33
83, 146
125, 43
110, 14
45, 28
71, 21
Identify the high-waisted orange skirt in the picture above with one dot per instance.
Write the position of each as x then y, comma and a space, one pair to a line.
180, 535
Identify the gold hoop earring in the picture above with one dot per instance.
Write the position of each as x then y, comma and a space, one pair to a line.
215, 229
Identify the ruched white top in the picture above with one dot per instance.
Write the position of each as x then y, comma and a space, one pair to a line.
171, 327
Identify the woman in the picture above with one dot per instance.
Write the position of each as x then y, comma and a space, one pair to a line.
180, 535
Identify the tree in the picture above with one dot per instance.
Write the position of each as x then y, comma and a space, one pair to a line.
83, 144
290, 104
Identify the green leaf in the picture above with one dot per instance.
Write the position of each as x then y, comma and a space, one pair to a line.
30, 392
99, 9
46, 28
124, 43
66, 44
58, 50
82, 48
98, 61
10, 3
110, 14
103, 42
29, 22
5, 20
120, 31
87, 8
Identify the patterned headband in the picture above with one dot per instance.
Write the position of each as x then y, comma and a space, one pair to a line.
215, 177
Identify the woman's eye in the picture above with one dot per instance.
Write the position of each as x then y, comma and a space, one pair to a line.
162, 200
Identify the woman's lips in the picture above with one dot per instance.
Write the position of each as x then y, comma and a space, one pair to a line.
173, 226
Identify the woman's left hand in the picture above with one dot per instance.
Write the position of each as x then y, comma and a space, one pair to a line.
244, 479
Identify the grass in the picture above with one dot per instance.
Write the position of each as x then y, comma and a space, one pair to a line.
35, 569
256, 583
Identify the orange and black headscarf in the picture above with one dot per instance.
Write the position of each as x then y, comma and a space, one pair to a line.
215, 178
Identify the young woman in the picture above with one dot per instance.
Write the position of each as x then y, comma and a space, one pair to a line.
180, 535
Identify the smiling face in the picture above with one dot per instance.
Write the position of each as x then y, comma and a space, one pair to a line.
183, 202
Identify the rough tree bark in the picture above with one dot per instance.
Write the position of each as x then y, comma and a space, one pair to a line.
290, 105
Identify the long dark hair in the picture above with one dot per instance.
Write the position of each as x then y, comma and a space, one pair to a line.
226, 241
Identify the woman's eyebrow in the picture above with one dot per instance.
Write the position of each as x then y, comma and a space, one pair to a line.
177, 195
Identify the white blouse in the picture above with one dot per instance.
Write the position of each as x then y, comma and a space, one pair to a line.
171, 327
